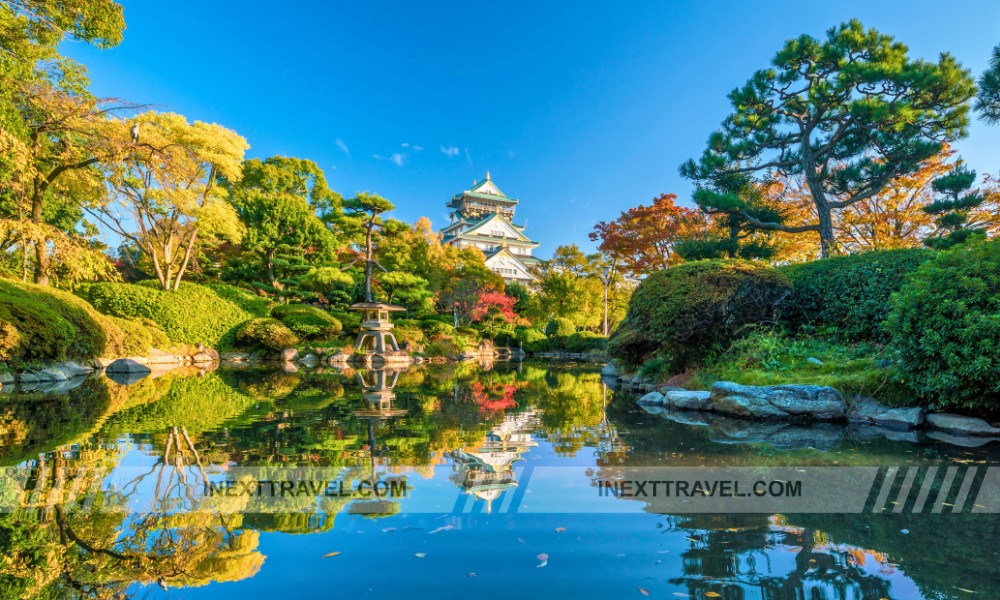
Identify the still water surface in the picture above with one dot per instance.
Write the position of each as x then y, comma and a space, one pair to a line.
452, 452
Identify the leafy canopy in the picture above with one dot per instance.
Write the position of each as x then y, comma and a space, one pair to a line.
849, 112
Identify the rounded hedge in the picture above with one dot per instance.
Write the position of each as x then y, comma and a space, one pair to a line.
945, 327
585, 341
39, 323
433, 328
531, 340
560, 327
271, 334
308, 322
192, 314
848, 296
685, 313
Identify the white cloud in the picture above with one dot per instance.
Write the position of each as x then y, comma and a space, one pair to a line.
412, 147
468, 157
450, 150
395, 158
343, 147
418, 148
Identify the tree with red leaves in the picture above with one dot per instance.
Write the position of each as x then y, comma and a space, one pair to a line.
494, 310
641, 239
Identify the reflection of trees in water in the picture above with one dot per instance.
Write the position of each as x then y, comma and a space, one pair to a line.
90, 545
775, 561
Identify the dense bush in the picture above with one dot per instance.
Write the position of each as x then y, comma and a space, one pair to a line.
192, 314
271, 334
531, 340
585, 341
41, 323
848, 296
560, 327
307, 322
945, 327
433, 328
685, 313
408, 332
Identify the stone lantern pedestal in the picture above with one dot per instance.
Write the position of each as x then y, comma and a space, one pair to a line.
376, 340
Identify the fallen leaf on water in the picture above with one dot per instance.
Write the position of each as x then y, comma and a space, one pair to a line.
330, 554
388, 529
471, 575
443, 528
644, 591
420, 554
966, 591
521, 540
560, 529
713, 595
544, 558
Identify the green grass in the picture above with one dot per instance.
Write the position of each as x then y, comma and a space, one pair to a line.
771, 358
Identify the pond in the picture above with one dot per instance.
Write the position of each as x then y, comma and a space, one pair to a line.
511, 480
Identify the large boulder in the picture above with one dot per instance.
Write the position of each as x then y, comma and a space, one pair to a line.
689, 400
155, 356
867, 410
653, 398
133, 365
959, 425
783, 402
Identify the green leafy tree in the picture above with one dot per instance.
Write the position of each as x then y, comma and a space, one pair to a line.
279, 201
363, 212
165, 194
988, 99
849, 113
952, 210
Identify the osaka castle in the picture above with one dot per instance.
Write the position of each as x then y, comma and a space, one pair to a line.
483, 217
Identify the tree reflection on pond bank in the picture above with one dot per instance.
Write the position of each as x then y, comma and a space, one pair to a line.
461, 443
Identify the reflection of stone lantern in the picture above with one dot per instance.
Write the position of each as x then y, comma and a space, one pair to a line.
376, 390
376, 338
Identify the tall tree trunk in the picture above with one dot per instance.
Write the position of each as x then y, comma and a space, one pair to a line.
187, 257
368, 261
827, 238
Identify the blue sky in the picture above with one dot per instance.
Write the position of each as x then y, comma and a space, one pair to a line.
579, 109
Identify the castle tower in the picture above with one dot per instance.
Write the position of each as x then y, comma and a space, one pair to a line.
483, 217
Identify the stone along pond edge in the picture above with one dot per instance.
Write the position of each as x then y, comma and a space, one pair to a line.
799, 407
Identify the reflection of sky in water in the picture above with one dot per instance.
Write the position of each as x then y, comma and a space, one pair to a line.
481, 512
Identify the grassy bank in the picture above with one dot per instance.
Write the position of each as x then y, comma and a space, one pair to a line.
43, 324
771, 358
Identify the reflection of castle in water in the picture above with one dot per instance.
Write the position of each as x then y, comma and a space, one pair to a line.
779, 562
487, 471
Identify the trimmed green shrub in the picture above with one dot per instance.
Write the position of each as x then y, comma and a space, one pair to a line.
945, 327
687, 312
140, 335
531, 340
349, 319
434, 328
408, 332
585, 341
308, 322
40, 323
192, 314
560, 327
265, 333
848, 296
